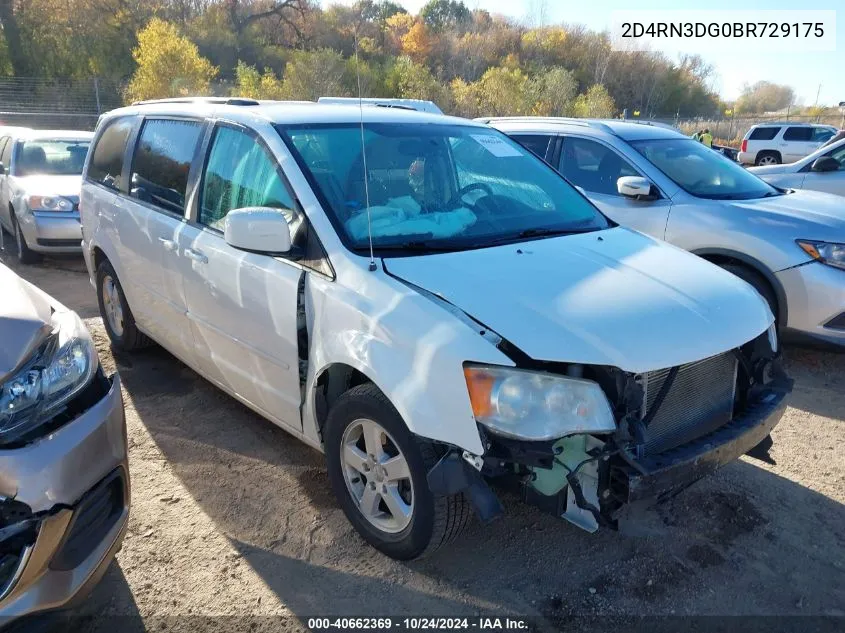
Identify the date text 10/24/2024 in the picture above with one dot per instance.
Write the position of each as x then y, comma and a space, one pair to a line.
419, 624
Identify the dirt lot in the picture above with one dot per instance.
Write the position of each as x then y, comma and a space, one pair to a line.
233, 517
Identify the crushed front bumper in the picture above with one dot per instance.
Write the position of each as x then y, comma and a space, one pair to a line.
71, 488
663, 475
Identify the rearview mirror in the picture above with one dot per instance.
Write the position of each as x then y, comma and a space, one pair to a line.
258, 230
636, 187
825, 163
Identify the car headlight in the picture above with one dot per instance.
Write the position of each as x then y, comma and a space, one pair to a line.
536, 406
49, 203
828, 253
60, 369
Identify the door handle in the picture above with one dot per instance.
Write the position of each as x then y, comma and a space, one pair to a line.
196, 256
169, 245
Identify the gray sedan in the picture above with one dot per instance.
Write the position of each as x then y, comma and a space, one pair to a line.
823, 170
64, 477
789, 245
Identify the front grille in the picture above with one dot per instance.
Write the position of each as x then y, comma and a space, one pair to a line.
699, 401
92, 519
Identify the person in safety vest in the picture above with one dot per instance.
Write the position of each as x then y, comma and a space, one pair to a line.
707, 138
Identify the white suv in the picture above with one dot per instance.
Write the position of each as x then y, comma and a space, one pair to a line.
461, 314
782, 142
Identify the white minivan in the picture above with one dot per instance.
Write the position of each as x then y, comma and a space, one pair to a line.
427, 303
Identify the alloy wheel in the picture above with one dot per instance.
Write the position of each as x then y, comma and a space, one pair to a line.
377, 476
112, 305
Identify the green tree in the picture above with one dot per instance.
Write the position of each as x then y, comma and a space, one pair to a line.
168, 64
313, 74
250, 83
553, 92
442, 15
407, 79
596, 103
764, 96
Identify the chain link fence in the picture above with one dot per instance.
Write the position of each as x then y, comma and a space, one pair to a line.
57, 103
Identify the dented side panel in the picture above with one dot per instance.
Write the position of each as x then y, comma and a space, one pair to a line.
410, 347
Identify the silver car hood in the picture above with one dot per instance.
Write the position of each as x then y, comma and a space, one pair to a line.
24, 320
805, 214
772, 169
47, 185
613, 297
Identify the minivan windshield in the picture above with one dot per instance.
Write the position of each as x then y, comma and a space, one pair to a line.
701, 171
435, 186
51, 157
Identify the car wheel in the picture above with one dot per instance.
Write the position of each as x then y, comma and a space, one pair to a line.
117, 317
25, 254
767, 158
378, 472
758, 282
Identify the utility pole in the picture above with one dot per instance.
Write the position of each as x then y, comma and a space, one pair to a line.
818, 92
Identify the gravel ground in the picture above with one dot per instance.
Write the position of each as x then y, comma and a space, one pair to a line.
233, 517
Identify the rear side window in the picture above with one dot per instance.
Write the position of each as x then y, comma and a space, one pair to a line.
106, 165
820, 134
162, 162
240, 173
798, 134
763, 133
534, 143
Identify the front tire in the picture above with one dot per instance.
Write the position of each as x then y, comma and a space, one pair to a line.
378, 469
25, 254
117, 317
758, 282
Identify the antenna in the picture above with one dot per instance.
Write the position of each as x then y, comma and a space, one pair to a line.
364, 157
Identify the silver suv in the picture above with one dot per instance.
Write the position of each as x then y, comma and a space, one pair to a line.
775, 143
789, 245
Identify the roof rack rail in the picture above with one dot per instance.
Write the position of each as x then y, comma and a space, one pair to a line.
236, 101
551, 119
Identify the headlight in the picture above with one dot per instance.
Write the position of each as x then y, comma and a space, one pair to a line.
49, 203
828, 253
536, 406
61, 368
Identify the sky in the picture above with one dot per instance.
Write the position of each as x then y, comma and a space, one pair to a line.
804, 71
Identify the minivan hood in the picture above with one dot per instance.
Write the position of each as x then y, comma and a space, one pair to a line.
613, 297
24, 320
41, 185
807, 214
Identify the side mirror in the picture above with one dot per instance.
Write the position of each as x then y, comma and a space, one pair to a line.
636, 187
258, 230
2, 169
825, 163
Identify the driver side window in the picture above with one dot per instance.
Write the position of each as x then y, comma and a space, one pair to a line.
593, 166
240, 173
839, 156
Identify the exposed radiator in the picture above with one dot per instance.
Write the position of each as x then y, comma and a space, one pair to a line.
700, 400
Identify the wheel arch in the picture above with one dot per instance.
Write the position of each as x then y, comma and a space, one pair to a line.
721, 256
768, 151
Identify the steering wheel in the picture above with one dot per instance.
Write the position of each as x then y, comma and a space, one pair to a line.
455, 200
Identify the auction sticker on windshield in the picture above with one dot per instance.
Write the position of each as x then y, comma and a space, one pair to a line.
496, 146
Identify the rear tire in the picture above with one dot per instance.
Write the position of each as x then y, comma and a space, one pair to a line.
434, 521
758, 282
767, 158
25, 254
117, 317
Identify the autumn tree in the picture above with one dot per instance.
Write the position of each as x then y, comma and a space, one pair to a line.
552, 92
310, 75
410, 80
596, 103
417, 42
764, 96
169, 65
254, 85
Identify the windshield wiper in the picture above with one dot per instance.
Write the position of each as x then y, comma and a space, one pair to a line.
529, 233
412, 245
